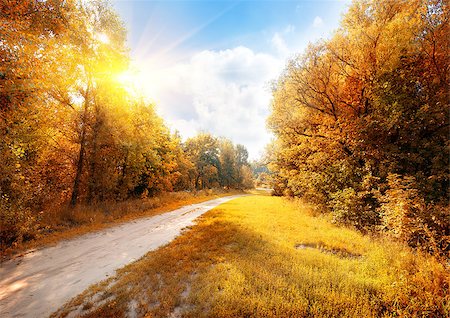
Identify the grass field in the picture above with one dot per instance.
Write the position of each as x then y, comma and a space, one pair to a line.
262, 256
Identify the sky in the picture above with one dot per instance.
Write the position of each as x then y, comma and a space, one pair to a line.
209, 65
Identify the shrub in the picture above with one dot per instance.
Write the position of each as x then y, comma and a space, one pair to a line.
406, 216
16, 223
350, 207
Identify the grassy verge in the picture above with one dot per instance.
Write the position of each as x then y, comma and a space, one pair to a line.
68, 223
262, 256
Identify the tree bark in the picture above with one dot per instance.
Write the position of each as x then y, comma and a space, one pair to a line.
80, 162
76, 183
93, 160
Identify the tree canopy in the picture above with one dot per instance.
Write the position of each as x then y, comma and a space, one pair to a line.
362, 121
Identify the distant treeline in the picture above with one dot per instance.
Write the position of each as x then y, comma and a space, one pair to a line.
72, 132
362, 122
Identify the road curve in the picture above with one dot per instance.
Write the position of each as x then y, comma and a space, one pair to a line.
38, 283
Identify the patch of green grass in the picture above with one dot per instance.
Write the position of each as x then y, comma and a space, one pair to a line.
262, 256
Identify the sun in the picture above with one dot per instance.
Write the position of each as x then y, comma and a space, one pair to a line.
140, 80
102, 37
131, 80
128, 78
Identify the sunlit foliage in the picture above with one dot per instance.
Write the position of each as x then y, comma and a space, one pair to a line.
362, 121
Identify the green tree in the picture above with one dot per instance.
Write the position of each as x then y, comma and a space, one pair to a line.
228, 164
203, 151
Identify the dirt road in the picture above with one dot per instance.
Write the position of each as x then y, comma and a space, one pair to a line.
40, 282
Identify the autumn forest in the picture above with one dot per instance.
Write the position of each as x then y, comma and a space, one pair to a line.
360, 125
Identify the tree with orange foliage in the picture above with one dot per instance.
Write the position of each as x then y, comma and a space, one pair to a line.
370, 103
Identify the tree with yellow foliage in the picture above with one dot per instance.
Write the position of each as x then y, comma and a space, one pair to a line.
370, 103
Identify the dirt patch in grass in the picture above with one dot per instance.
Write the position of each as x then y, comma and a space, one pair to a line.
240, 261
343, 253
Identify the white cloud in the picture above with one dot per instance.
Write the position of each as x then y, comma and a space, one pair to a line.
279, 44
318, 22
224, 92
278, 41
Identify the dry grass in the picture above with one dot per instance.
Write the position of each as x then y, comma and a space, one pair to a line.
262, 256
61, 224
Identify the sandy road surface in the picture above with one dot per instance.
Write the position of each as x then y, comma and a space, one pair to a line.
40, 282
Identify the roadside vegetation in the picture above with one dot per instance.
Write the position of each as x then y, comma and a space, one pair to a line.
362, 122
263, 256
57, 225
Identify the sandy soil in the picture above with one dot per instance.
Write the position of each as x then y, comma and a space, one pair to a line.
38, 283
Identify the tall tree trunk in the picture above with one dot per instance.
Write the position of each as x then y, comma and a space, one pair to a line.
92, 182
197, 182
76, 183
122, 191
80, 162
92, 178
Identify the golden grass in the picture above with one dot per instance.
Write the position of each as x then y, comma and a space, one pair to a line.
68, 223
262, 256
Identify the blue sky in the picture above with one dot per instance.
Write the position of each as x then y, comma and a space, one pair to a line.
208, 64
